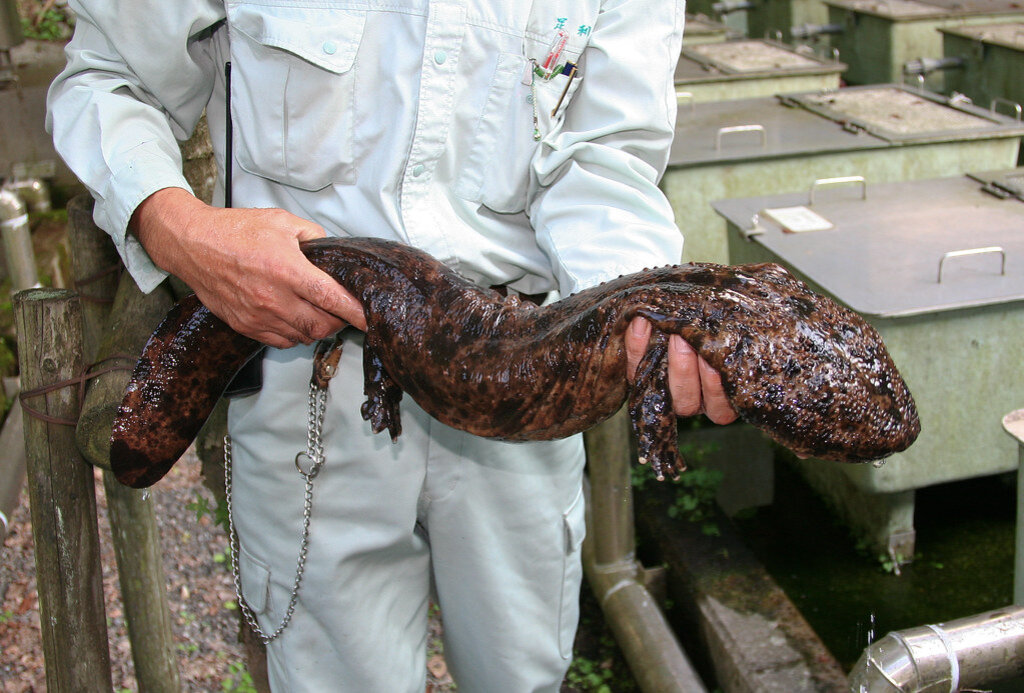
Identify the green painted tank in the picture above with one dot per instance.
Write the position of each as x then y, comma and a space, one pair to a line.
876, 38
778, 17
990, 64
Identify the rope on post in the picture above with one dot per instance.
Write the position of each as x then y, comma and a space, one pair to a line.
80, 380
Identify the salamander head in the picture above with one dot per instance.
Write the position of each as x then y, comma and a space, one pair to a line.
812, 374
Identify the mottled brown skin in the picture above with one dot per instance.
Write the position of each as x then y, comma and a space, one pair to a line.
810, 373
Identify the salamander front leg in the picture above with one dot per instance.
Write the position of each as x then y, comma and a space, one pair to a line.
650, 409
382, 396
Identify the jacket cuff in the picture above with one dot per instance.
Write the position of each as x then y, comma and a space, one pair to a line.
143, 175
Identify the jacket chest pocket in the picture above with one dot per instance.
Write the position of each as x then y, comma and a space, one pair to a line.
293, 92
522, 109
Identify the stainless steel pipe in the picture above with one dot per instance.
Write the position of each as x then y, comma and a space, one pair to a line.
33, 191
944, 658
17, 241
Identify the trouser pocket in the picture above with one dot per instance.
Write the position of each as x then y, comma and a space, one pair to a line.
254, 582
574, 526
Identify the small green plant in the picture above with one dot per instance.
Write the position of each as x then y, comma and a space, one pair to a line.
201, 507
185, 617
52, 25
239, 680
891, 562
588, 675
695, 498
7, 616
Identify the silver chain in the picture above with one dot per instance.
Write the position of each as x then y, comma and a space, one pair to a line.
314, 452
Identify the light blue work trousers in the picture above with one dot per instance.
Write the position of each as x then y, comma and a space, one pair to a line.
491, 529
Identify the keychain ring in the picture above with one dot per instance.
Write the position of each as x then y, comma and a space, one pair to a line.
314, 467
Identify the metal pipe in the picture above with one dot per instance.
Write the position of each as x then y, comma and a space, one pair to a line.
924, 66
1013, 424
33, 191
17, 241
962, 654
12, 472
655, 657
806, 31
729, 6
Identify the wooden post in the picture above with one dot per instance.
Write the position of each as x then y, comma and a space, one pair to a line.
136, 537
62, 497
95, 266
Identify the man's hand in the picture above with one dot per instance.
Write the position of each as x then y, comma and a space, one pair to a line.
245, 265
695, 386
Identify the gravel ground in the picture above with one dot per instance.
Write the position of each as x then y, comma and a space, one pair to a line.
200, 594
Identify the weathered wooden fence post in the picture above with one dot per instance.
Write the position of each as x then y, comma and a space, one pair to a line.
95, 267
136, 536
62, 495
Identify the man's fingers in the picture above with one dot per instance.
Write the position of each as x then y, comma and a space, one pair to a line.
304, 229
683, 377
330, 297
637, 336
716, 404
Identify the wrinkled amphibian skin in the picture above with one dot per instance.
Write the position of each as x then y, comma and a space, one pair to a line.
810, 373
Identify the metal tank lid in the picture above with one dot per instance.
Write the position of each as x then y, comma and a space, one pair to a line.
908, 10
748, 58
699, 26
1005, 183
896, 249
902, 114
843, 120
1006, 34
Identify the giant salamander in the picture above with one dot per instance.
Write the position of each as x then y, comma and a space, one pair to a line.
811, 374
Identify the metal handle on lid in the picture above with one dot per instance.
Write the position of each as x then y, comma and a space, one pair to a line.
839, 181
734, 129
973, 251
1006, 102
755, 228
682, 96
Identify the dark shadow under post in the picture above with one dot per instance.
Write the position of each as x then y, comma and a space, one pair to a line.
62, 496
647, 641
113, 324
